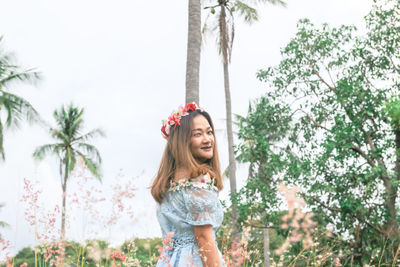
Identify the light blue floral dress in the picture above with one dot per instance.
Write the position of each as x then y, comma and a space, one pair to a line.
188, 203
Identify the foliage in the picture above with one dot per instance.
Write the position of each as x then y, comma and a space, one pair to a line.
137, 252
15, 108
145, 250
25, 255
220, 20
2, 224
225, 28
329, 124
71, 145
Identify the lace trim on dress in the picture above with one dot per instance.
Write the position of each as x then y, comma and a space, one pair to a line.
203, 181
183, 240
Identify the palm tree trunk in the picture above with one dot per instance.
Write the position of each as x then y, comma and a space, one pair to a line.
232, 163
64, 204
228, 104
193, 52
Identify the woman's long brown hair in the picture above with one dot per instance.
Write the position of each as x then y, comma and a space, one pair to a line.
177, 152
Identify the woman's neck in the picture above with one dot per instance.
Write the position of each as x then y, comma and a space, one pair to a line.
181, 173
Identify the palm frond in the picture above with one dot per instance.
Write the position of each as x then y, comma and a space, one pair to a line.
273, 2
10, 76
211, 24
70, 120
205, 30
90, 151
60, 135
2, 155
249, 13
90, 135
75, 117
3, 224
13, 116
45, 150
93, 167
17, 109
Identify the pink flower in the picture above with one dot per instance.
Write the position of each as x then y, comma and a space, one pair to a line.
167, 242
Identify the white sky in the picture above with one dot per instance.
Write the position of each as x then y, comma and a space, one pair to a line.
124, 62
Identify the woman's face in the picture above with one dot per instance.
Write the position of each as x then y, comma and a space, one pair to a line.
201, 139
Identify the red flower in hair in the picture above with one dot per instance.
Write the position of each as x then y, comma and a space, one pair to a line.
176, 120
191, 107
176, 116
163, 129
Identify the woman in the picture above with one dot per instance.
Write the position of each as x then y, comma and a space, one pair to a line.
186, 188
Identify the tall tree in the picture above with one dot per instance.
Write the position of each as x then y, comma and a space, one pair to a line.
334, 100
14, 107
225, 36
71, 144
193, 52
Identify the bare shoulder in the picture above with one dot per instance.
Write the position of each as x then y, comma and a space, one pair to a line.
181, 174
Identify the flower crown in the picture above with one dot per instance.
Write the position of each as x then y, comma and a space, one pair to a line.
175, 118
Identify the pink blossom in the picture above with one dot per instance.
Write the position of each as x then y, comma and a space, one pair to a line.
300, 223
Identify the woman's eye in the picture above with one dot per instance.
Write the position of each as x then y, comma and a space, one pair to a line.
197, 134
210, 132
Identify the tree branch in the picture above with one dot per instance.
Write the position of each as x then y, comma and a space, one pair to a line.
363, 154
321, 203
394, 65
261, 226
340, 210
317, 124
333, 89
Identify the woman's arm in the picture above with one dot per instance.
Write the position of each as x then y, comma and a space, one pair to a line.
207, 248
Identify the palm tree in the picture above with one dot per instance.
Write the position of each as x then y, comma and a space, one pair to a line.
226, 32
193, 52
14, 107
70, 145
3, 224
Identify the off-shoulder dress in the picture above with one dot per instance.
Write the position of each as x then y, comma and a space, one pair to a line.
187, 203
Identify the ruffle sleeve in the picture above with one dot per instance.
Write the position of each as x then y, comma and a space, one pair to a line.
202, 205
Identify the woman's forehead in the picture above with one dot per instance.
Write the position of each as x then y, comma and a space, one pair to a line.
200, 122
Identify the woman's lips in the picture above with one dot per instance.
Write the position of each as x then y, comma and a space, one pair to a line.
208, 148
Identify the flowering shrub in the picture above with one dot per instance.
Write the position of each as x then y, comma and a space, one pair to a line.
167, 244
238, 253
54, 252
300, 223
117, 257
36, 215
4, 247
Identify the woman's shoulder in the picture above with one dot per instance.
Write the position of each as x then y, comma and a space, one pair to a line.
204, 181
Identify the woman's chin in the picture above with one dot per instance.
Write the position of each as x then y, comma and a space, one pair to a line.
203, 159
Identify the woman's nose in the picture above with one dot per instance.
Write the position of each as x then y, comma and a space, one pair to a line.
206, 138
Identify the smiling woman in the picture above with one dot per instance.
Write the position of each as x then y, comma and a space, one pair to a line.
202, 139
186, 189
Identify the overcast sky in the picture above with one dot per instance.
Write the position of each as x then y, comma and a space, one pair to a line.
124, 62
